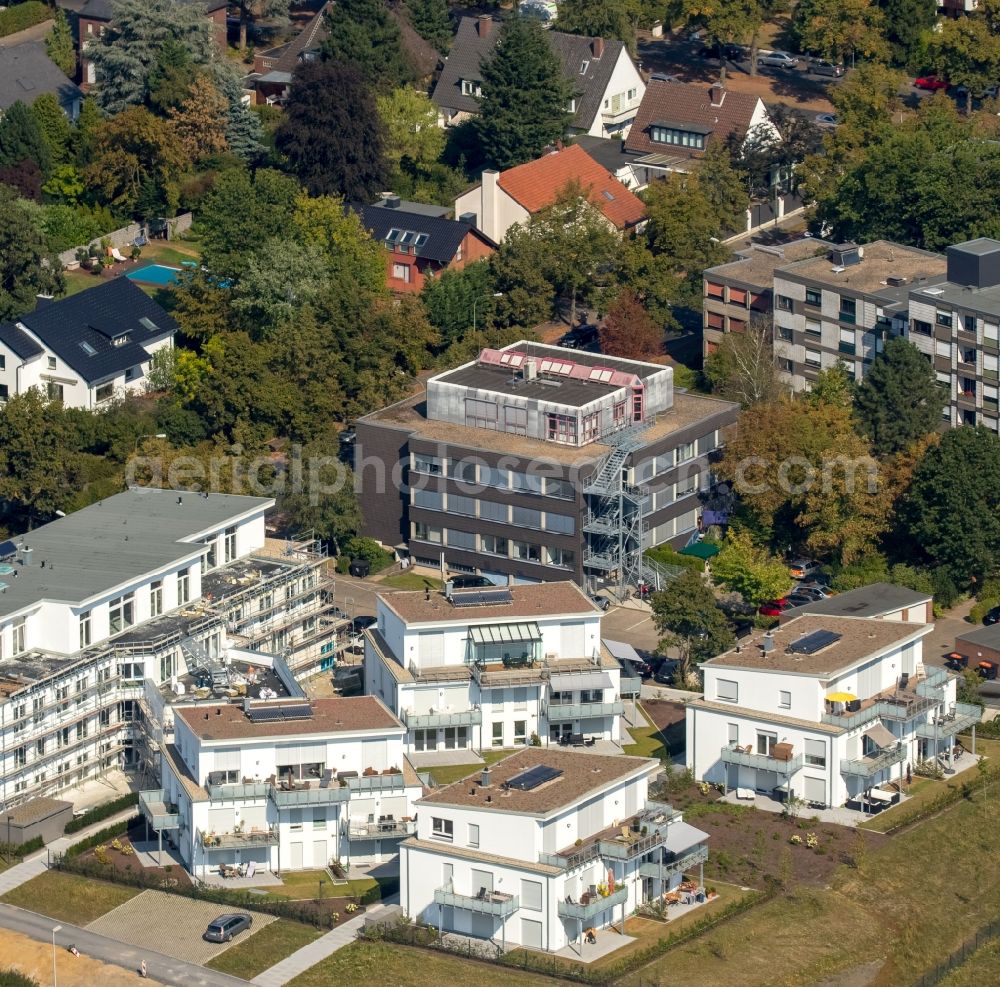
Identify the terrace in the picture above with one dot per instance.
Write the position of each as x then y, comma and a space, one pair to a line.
901, 703
584, 911
158, 812
238, 839
582, 711
868, 767
484, 903
746, 758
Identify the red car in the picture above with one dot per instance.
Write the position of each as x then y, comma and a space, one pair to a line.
930, 82
775, 608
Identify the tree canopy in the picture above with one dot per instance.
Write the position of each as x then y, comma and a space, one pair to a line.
750, 570
27, 268
364, 33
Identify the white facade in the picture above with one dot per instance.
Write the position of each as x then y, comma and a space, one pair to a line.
296, 801
621, 99
447, 681
496, 211
777, 729
538, 876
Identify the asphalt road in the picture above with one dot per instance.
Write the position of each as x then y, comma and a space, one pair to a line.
161, 968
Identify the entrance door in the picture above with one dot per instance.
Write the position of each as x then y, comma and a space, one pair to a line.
531, 934
319, 853
295, 856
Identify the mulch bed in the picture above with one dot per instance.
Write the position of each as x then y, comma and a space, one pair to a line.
663, 713
118, 861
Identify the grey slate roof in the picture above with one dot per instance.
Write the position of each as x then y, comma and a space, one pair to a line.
97, 317
444, 236
608, 152
118, 540
26, 71
986, 637
18, 342
866, 601
469, 50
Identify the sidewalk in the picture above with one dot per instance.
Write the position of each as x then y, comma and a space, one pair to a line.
37, 863
317, 951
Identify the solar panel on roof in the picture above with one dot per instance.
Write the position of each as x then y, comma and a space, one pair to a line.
813, 642
533, 777
286, 711
7, 550
481, 598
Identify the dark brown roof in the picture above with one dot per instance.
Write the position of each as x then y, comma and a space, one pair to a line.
539, 600
581, 774
285, 58
688, 103
335, 714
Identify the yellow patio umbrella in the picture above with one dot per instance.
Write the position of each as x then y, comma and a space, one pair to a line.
841, 697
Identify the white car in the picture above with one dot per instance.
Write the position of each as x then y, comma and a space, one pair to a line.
776, 59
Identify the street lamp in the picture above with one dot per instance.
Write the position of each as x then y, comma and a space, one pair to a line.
150, 435
476, 301
55, 929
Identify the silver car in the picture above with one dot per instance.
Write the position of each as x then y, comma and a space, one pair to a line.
777, 59
225, 927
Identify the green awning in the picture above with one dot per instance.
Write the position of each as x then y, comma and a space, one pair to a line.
701, 550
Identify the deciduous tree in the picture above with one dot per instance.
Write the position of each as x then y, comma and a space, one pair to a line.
750, 570
524, 106
412, 134
733, 21
742, 366
27, 268
907, 27
835, 28
331, 132
629, 331
59, 43
600, 18
200, 121
966, 53
275, 11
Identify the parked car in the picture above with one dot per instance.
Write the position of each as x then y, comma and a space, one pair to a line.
601, 602
821, 66
358, 627
776, 59
930, 82
826, 120
735, 53
664, 673
470, 582
811, 593
816, 587
803, 568
225, 927
799, 599
775, 608
992, 616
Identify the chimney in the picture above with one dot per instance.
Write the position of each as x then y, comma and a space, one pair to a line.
390, 200
485, 25
491, 193
484, 779
597, 47
717, 93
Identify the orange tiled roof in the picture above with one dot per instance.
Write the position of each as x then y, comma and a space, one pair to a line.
537, 184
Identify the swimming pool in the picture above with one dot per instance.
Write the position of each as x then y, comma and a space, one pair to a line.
155, 274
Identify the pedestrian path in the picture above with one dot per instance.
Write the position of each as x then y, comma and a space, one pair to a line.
317, 951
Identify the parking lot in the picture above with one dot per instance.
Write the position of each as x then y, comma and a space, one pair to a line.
170, 924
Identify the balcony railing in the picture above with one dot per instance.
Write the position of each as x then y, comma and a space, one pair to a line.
582, 711
962, 717
596, 905
867, 767
666, 871
489, 903
160, 813
730, 755
239, 792
630, 686
238, 840
365, 784
389, 829
309, 796
461, 718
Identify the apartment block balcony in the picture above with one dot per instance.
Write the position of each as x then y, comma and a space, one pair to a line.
959, 718
368, 784
483, 903
245, 792
745, 758
159, 813
665, 871
385, 829
594, 906
239, 839
630, 686
900, 704
303, 795
442, 718
868, 767
582, 711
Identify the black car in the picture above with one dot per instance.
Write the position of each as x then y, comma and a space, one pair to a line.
734, 53
992, 616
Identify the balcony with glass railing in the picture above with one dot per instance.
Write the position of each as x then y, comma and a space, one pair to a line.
582, 711
442, 718
595, 904
384, 829
868, 767
959, 718
159, 813
630, 686
765, 762
666, 870
239, 839
483, 903
303, 795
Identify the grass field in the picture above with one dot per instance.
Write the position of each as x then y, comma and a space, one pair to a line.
263, 949
305, 884
648, 741
410, 580
982, 967
445, 774
364, 964
67, 897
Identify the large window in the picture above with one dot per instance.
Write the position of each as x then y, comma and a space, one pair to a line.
423, 463
85, 629
848, 309
531, 895
426, 532
728, 690
104, 393
432, 500
525, 517
493, 545
816, 753
563, 489
490, 510
563, 557
442, 829
183, 587
480, 414
527, 552
121, 613
156, 598
562, 428
497, 740
461, 539
18, 636
677, 137
814, 297
473, 835
562, 523
520, 732
230, 544
465, 506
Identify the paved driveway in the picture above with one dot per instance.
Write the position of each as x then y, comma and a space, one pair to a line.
170, 924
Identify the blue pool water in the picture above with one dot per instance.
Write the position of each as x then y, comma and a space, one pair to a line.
155, 274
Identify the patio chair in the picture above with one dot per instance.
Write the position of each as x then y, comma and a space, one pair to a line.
627, 835
481, 895
590, 741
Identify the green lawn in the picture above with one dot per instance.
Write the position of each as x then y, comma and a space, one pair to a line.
648, 741
410, 580
445, 774
305, 884
263, 949
982, 967
68, 897
364, 964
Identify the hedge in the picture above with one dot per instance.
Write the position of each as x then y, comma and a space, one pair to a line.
21, 850
102, 812
102, 836
666, 555
23, 16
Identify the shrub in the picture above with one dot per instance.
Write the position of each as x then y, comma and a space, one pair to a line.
367, 548
666, 555
102, 812
21, 17
21, 850
102, 836
14, 978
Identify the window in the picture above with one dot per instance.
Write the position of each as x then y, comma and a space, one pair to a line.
520, 732
498, 735
527, 552
785, 333
470, 88
463, 470
991, 365
156, 598
766, 742
943, 318
480, 414
785, 699
848, 309
679, 138
295, 820
166, 666
465, 506
686, 486
713, 290
531, 895
561, 428
737, 325
991, 332
426, 532
103, 393
121, 613
814, 297
461, 539
733, 733
814, 328
230, 544
442, 829
942, 348
493, 545
17, 637
813, 358
401, 272
515, 420
816, 753
54, 391
183, 587
970, 324
561, 523
4, 391
473, 834
431, 500
319, 819
52, 363
427, 464
684, 452
727, 690
526, 483
847, 343
922, 328
737, 296
563, 557
783, 302
20, 757
524, 517
563, 489
591, 427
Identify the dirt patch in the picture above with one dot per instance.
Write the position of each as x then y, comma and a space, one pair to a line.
663, 713
35, 959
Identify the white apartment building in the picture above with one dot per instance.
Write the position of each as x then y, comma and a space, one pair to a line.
542, 846
494, 668
826, 706
110, 615
284, 784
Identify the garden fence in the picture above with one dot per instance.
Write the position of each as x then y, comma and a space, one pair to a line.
982, 937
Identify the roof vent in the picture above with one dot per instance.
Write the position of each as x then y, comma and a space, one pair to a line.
484, 778
717, 94
895, 281
846, 254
